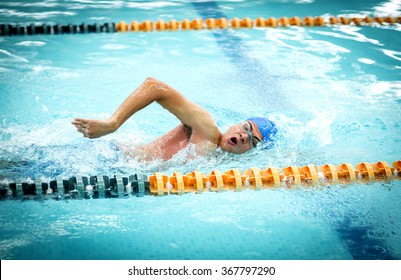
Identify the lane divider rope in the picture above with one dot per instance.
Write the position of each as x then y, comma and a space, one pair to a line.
119, 186
195, 24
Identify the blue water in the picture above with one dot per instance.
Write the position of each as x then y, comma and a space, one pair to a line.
334, 92
340, 223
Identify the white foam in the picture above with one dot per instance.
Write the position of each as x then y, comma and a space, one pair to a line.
114, 47
366, 61
320, 128
392, 7
31, 43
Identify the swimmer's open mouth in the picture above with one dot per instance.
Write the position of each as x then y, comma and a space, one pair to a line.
233, 141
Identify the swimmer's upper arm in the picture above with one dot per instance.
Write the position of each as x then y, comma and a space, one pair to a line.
185, 110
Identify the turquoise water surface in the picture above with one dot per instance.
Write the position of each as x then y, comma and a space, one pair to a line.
334, 92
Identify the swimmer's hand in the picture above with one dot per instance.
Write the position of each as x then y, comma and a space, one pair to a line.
94, 128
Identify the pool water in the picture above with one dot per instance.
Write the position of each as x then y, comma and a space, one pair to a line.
339, 223
334, 92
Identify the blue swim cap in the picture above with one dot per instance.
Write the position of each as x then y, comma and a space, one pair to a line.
266, 127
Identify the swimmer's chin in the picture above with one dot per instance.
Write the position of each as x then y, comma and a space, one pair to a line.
228, 148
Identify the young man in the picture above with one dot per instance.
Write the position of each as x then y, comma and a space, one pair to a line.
197, 125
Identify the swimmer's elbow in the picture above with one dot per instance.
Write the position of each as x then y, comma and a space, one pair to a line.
151, 80
161, 90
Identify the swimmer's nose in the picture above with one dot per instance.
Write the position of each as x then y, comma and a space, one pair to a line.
243, 138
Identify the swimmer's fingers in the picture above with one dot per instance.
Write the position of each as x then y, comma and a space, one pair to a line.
79, 122
82, 130
93, 128
81, 125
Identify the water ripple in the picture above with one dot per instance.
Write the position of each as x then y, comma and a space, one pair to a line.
31, 43
37, 15
349, 33
392, 7
12, 57
393, 54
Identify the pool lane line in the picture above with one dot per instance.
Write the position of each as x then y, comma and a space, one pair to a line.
215, 19
218, 22
102, 186
55, 29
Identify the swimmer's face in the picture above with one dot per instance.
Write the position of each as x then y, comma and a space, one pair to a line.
241, 138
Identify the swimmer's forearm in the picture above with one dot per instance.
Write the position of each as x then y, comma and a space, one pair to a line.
149, 91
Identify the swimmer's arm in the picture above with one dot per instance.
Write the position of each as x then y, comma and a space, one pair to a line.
149, 91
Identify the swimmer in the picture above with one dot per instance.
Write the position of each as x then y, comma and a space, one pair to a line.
197, 126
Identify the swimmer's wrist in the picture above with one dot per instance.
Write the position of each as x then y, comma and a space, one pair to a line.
114, 124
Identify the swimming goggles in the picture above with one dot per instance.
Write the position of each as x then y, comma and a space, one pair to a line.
247, 127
